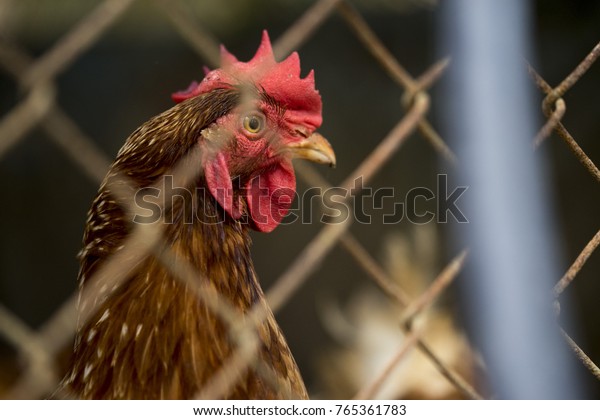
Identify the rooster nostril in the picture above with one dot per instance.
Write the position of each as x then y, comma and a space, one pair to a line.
301, 132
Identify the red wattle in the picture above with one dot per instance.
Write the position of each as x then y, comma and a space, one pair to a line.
220, 186
270, 196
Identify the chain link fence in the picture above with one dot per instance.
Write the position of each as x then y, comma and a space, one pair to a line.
39, 109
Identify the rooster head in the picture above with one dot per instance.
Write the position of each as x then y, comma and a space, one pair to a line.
247, 152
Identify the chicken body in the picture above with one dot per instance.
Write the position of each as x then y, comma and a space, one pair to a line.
153, 337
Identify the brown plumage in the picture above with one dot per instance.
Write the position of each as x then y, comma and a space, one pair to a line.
153, 337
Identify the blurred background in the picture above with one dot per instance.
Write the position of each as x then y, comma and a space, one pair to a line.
341, 327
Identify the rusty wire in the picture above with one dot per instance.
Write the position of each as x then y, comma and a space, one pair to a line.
577, 265
554, 107
38, 108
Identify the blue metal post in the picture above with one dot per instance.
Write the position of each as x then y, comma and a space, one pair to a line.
513, 261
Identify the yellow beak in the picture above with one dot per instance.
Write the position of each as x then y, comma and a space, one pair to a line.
314, 148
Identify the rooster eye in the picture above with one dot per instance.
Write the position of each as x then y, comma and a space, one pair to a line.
254, 123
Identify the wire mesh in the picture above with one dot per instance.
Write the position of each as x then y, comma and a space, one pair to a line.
39, 108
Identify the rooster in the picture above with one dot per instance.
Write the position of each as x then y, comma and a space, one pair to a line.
152, 338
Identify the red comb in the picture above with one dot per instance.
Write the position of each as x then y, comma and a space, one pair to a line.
280, 80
